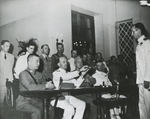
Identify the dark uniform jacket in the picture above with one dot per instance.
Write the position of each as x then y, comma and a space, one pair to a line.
27, 83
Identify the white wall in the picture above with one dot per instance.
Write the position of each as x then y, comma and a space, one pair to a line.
119, 10
47, 20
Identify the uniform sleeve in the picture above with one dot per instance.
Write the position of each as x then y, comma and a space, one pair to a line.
27, 82
65, 76
78, 82
147, 64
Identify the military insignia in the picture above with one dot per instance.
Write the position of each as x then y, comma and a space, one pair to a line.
141, 43
58, 70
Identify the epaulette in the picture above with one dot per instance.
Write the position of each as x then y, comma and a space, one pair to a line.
145, 39
57, 70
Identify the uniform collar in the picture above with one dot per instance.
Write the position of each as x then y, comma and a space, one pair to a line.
27, 53
31, 71
62, 70
100, 72
141, 40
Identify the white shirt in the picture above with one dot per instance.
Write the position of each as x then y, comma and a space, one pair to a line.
100, 78
66, 76
143, 60
72, 64
21, 64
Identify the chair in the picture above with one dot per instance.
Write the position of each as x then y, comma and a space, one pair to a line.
107, 104
113, 102
10, 101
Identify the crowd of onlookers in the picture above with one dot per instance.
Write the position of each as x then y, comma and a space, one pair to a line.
115, 66
36, 71
100, 72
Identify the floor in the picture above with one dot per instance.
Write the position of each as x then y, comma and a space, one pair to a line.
132, 113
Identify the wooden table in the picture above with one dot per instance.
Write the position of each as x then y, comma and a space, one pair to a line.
46, 95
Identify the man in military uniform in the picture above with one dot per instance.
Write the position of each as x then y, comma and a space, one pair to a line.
55, 57
30, 79
69, 102
143, 68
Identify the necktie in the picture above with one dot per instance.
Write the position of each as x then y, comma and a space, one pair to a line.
5, 56
46, 58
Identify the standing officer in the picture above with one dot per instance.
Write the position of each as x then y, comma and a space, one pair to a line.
143, 68
55, 57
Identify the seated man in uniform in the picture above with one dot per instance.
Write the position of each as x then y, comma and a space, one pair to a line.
69, 102
30, 79
88, 81
102, 80
100, 75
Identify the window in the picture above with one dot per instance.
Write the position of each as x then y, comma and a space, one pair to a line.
125, 40
83, 35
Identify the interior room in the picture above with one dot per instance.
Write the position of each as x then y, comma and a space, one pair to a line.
49, 20
93, 25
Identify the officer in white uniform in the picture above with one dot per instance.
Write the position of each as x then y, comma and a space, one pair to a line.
100, 75
70, 102
143, 68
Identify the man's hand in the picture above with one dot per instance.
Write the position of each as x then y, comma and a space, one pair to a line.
83, 71
49, 85
84, 68
146, 84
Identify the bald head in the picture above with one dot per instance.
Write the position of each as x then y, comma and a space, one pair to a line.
62, 63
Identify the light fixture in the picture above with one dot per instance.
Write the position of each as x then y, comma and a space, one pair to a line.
145, 2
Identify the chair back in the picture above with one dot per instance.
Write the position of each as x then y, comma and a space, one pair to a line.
9, 95
12, 92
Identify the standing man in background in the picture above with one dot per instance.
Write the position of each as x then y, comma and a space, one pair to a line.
21, 63
143, 68
71, 60
45, 62
6, 67
55, 57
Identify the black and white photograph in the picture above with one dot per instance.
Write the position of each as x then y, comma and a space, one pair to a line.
74, 59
